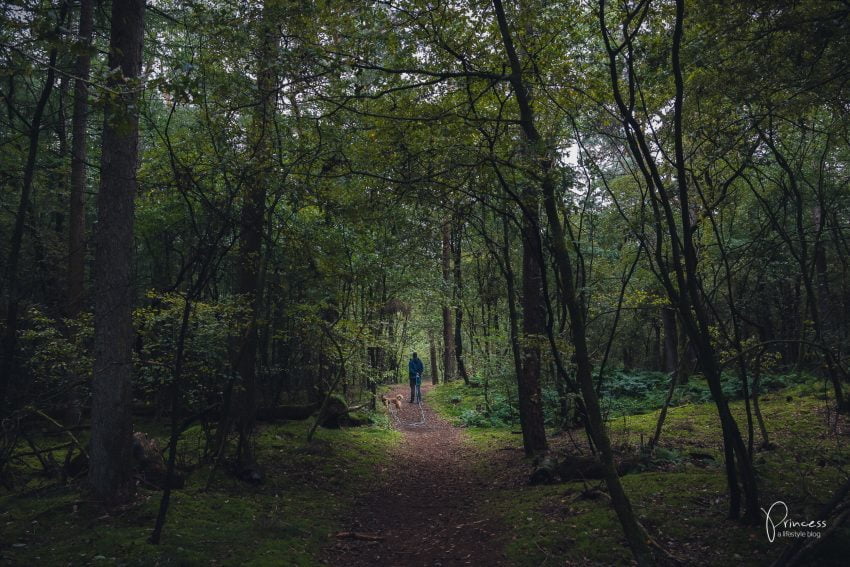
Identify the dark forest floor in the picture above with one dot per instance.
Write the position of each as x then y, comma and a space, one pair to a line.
436, 494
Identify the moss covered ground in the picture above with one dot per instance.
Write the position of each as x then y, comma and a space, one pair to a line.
679, 495
286, 520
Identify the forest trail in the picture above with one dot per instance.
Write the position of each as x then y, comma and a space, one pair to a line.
426, 504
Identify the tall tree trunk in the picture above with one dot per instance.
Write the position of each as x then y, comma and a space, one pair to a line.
79, 153
75, 284
57, 216
449, 373
533, 329
822, 272
251, 223
458, 300
635, 535
8, 366
110, 474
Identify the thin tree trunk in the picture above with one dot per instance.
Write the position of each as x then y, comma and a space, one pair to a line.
449, 373
8, 366
110, 473
79, 153
513, 317
671, 342
659, 425
693, 301
679, 273
765, 438
635, 535
175, 420
458, 295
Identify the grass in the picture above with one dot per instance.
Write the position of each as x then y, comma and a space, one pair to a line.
623, 394
285, 520
682, 501
454, 400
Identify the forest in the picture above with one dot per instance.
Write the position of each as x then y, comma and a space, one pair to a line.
615, 233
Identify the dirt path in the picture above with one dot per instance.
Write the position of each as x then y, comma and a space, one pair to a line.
425, 506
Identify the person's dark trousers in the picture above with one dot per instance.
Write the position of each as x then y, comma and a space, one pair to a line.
412, 389
418, 393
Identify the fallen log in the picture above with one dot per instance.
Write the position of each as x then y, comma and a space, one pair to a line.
551, 470
337, 414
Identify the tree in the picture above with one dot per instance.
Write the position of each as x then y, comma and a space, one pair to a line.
449, 358
8, 365
252, 222
674, 227
458, 297
634, 532
79, 153
533, 327
110, 473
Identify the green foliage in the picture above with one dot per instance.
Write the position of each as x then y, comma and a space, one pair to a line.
467, 407
623, 393
665, 455
206, 355
388, 124
636, 392
475, 418
57, 357
54, 357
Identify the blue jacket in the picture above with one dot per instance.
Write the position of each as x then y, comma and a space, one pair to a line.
415, 367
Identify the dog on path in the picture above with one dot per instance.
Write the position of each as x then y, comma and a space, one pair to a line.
396, 401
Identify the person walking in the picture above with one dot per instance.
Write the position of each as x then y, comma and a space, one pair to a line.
415, 369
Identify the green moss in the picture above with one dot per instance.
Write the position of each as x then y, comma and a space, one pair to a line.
308, 488
450, 400
467, 406
287, 519
492, 438
684, 508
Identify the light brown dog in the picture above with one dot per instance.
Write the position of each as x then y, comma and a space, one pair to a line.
396, 401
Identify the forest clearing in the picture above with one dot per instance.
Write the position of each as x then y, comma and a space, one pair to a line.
415, 282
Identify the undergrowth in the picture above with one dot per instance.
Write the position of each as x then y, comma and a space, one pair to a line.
681, 496
283, 521
622, 393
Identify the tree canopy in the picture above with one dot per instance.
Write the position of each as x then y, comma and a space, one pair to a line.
271, 204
